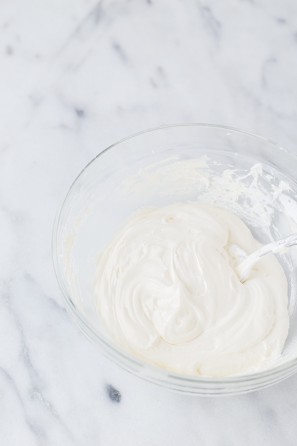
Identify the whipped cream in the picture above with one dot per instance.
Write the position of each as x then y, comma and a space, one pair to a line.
167, 291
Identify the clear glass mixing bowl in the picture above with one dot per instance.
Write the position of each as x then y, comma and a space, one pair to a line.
155, 168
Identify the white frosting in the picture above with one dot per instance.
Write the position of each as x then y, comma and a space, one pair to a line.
167, 291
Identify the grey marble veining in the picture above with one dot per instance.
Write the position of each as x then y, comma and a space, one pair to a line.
77, 75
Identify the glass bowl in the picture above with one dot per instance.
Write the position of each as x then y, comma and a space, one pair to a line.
162, 166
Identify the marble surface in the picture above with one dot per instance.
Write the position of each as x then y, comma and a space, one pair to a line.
77, 75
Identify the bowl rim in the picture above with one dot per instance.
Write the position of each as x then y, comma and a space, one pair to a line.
123, 358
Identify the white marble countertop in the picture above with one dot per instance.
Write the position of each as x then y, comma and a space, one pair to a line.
75, 76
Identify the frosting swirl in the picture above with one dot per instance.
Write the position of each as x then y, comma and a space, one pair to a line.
167, 291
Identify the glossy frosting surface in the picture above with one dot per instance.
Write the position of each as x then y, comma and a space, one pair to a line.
168, 292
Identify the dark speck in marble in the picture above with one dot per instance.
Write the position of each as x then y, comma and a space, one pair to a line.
271, 59
270, 414
149, 2
95, 14
211, 21
281, 21
120, 52
35, 99
160, 71
80, 113
153, 83
9, 50
113, 393
267, 66
159, 78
